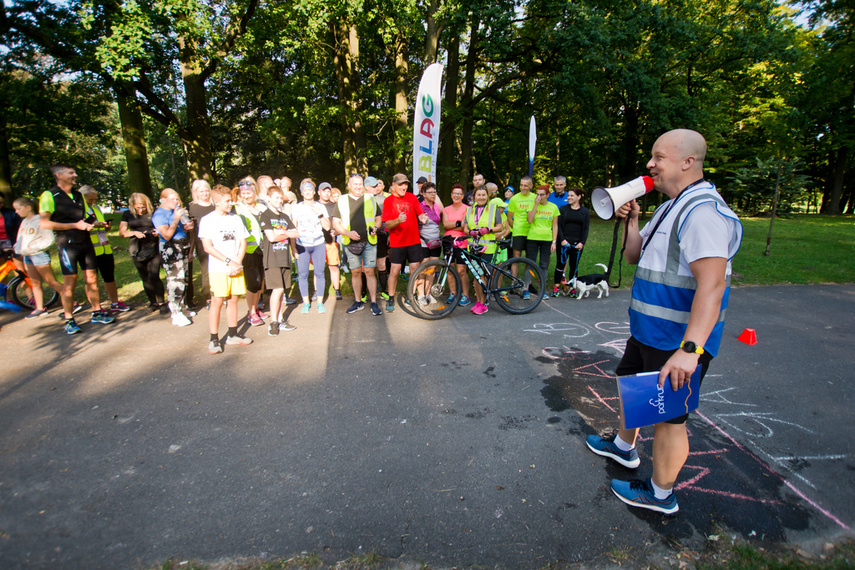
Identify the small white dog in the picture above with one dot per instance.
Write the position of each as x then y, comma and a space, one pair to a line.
584, 284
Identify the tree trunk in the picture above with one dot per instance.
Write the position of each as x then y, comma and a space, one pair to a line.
432, 36
196, 135
345, 62
467, 105
133, 139
5, 162
839, 170
401, 124
448, 133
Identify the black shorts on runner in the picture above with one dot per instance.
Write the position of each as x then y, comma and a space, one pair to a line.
642, 358
106, 267
431, 252
518, 243
277, 277
412, 254
76, 255
253, 270
382, 244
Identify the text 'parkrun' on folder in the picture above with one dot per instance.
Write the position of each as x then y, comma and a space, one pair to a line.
644, 403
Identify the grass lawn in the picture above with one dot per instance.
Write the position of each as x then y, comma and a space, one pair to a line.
805, 249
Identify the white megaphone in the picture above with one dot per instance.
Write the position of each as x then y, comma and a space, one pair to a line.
607, 201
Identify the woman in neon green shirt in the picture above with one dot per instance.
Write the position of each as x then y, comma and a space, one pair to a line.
542, 231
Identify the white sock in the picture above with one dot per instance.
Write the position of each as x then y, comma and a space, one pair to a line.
622, 445
659, 491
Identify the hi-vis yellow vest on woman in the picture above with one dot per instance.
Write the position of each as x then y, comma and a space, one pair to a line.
487, 240
99, 236
368, 210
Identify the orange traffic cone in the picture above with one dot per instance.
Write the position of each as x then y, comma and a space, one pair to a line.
748, 336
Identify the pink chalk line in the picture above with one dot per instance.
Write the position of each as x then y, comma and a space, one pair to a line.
602, 401
704, 471
787, 483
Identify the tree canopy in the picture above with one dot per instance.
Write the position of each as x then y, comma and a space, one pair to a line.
187, 89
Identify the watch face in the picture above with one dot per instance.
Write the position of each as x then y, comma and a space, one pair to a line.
689, 346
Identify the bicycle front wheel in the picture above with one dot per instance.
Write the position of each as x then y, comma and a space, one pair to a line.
430, 287
521, 294
21, 294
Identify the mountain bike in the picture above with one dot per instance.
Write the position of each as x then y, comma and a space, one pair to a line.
431, 286
18, 289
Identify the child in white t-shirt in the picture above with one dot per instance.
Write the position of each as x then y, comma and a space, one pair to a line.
223, 235
32, 243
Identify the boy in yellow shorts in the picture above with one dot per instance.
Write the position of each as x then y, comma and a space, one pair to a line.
224, 234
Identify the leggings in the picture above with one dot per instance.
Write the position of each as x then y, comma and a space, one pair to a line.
175, 261
543, 248
569, 257
150, 276
316, 254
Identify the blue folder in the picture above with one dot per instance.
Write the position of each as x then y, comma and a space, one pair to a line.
644, 403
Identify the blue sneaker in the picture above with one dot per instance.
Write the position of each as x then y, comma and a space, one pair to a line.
305, 308
71, 327
102, 318
390, 305
356, 306
321, 308
451, 300
526, 295
637, 493
375, 310
464, 300
606, 447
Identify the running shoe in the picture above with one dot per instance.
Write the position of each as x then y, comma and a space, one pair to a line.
526, 295
214, 347
637, 493
119, 307
605, 446
390, 305
451, 299
365, 297
289, 301
181, 320
305, 308
423, 300
321, 308
238, 340
375, 310
102, 318
356, 306
71, 327
545, 297
36, 313
383, 294
77, 308
255, 320
479, 308
338, 296
286, 326
164, 309
273, 329
464, 300
555, 290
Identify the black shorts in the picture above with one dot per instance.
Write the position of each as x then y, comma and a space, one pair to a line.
431, 252
253, 270
106, 267
447, 244
277, 277
412, 253
642, 358
382, 244
518, 243
72, 256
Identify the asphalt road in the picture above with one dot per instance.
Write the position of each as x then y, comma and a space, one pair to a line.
454, 443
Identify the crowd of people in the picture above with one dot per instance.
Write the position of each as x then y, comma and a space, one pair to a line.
248, 239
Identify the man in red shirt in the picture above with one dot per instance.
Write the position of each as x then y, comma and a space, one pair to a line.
402, 213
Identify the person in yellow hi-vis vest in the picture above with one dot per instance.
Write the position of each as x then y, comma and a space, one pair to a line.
482, 222
103, 251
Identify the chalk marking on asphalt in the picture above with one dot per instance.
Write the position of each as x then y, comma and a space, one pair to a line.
797, 457
757, 416
711, 452
704, 471
600, 398
564, 352
595, 365
624, 326
619, 344
707, 397
549, 328
773, 472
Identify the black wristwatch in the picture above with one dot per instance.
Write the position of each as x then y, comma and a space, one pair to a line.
691, 348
